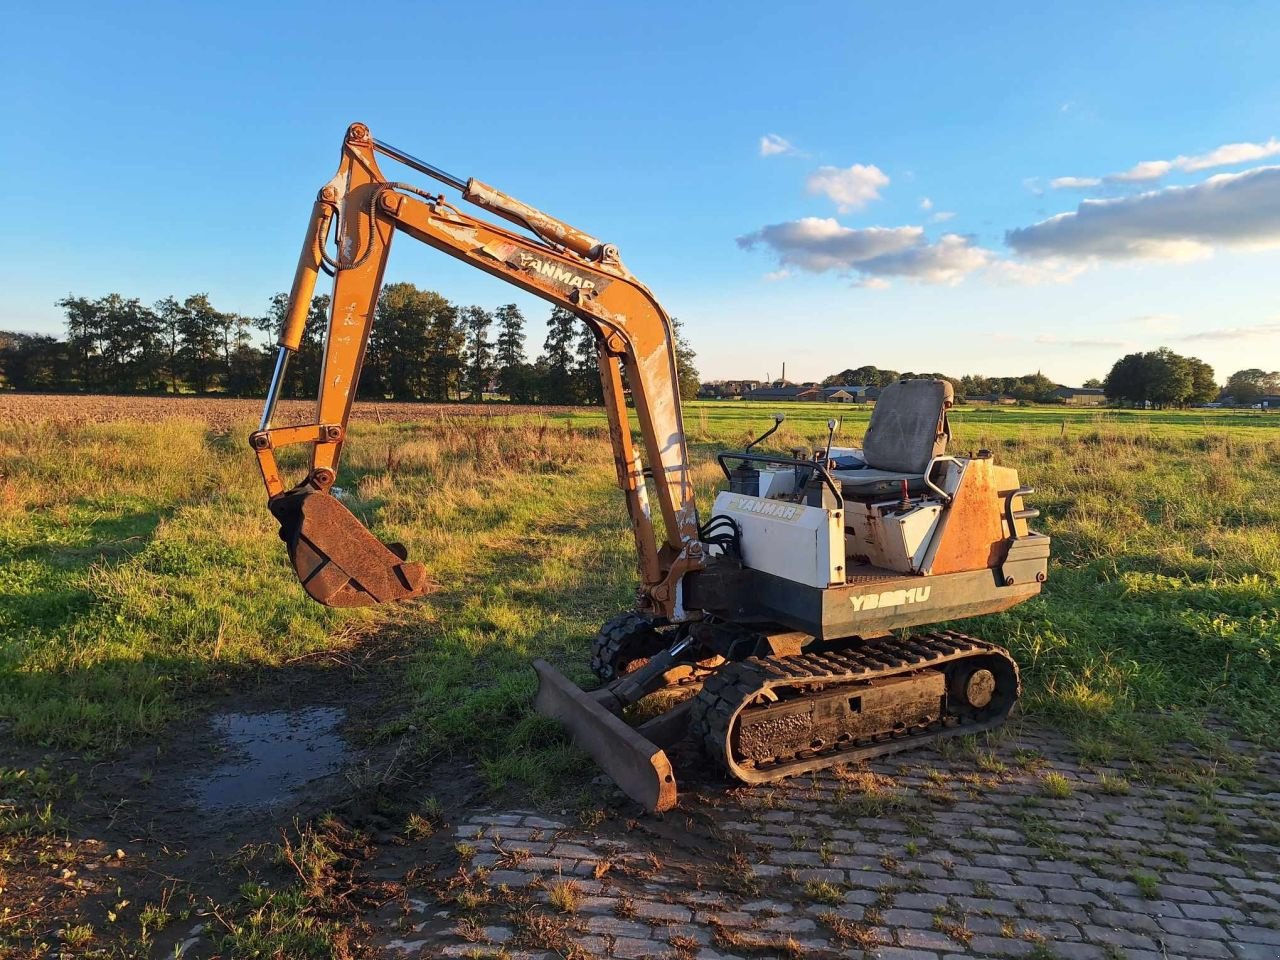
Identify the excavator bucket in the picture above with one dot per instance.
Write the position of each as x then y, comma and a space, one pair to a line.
637, 765
340, 563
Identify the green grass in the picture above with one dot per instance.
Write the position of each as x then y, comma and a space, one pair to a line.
140, 571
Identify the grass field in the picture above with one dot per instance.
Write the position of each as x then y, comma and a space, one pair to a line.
140, 573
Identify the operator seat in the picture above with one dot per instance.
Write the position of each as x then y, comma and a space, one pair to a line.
908, 430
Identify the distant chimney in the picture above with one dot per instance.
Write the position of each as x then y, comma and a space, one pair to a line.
784, 371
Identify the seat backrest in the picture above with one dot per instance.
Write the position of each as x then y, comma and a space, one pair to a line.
909, 426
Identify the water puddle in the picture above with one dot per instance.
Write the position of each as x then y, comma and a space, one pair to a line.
270, 756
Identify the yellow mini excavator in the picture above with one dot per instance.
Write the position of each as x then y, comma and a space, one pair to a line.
778, 608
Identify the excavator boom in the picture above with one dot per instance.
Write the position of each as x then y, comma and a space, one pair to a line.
338, 561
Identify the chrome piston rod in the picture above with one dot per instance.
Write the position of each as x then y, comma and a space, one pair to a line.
273, 392
420, 165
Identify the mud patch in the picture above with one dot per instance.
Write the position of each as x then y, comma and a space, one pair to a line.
272, 757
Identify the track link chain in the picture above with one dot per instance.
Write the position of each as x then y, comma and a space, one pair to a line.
734, 687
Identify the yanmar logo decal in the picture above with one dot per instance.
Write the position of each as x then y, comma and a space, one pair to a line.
774, 509
890, 598
559, 274
553, 271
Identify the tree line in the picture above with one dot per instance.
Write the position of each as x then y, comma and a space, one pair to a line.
1030, 388
422, 347
1163, 378
1159, 378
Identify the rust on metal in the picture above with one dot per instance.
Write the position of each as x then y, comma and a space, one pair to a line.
638, 766
339, 562
971, 533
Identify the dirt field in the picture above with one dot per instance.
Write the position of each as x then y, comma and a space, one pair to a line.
194, 756
224, 414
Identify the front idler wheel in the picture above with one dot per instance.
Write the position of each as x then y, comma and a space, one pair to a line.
624, 644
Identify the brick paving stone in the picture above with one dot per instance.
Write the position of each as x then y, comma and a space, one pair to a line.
902, 953
1253, 951
920, 901
999, 947
1205, 929
819, 874
687, 931
1118, 938
908, 918
1154, 908
1043, 879
1251, 934
1192, 880
1056, 911
860, 895
1199, 911
785, 924
663, 911
1054, 929
1126, 920
1000, 908
925, 939
1019, 892
542, 823
616, 927
1191, 894
1080, 897
1078, 951
1175, 946
632, 949
988, 874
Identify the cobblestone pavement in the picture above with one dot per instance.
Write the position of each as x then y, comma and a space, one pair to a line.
1009, 849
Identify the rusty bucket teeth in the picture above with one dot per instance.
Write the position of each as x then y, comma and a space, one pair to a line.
638, 766
340, 563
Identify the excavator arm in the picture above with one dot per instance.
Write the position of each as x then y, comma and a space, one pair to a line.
339, 562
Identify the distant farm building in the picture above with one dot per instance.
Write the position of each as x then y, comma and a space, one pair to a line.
847, 394
1003, 399
1081, 396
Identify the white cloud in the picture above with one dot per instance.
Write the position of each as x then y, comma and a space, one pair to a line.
773, 276
1173, 223
942, 216
1048, 270
1261, 331
870, 254
1141, 172
1229, 154
926, 204
1083, 343
1074, 183
771, 145
1226, 155
851, 188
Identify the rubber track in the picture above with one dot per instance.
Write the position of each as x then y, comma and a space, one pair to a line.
731, 688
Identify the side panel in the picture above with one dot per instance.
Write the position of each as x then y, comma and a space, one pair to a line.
876, 604
802, 543
972, 533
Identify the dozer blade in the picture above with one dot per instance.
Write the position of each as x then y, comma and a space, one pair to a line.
340, 563
639, 767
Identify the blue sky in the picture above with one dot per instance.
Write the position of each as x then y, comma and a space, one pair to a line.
896, 215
